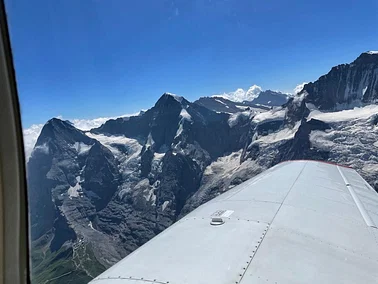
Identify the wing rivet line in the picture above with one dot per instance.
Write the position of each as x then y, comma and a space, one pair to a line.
251, 256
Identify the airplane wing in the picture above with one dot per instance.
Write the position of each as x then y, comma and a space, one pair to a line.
298, 222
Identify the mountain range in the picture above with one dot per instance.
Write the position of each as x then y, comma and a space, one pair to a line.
262, 101
97, 195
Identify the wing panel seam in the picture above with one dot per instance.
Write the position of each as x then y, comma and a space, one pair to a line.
254, 253
369, 222
287, 194
268, 227
130, 278
317, 239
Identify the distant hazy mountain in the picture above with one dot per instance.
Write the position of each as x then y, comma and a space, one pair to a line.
232, 103
270, 98
220, 104
96, 196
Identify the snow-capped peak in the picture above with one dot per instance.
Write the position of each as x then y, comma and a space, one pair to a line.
372, 52
241, 95
176, 97
31, 134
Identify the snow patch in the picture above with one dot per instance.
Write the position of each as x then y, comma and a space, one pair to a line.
345, 115
158, 156
185, 115
242, 107
284, 134
351, 142
311, 107
219, 101
372, 52
321, 140
165, 204
150, 196
90, 225
224, 166
370, 168
275, 114
145, 185
150, 141
81, 147
127, 152
156, 163
111, 142
73, 191
235, 118
364, 90
180, 129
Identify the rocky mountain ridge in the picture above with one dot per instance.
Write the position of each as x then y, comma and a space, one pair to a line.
346, 85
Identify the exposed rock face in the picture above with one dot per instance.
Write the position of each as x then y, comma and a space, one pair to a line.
346, 85
51, 170
111, 190
97, 196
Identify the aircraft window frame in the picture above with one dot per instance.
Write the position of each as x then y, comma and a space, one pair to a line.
14, 263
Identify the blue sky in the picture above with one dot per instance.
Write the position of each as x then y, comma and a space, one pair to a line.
86, 59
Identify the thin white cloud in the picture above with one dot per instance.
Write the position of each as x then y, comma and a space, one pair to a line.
241, 95
299, 88
30, 138
87, 124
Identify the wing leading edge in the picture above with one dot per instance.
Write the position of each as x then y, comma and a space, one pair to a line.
298, 222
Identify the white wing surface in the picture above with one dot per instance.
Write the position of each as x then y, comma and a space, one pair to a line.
298, 222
